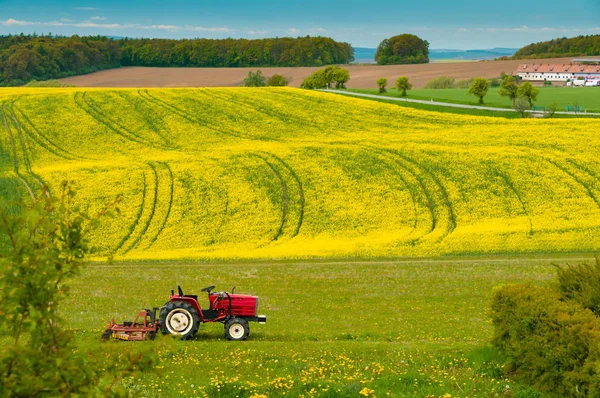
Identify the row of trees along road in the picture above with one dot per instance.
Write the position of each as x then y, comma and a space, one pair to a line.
30, 57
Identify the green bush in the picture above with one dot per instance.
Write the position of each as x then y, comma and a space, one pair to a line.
464, 83
549, 343
255, 79
49, 246
441, 82
382, 83
581, 283
277, 81
495, 82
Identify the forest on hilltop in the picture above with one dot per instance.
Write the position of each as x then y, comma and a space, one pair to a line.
556, 48
31, 57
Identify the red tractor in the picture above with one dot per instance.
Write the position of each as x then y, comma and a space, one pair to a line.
182, 316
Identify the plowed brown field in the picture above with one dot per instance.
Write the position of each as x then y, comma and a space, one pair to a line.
362, 76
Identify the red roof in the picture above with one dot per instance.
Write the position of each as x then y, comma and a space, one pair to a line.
558, 68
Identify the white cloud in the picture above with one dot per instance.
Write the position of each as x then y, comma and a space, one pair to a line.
85, 8
318, 30
66, 20
98, 18
527, 29
293, 31
90, 24
257, 32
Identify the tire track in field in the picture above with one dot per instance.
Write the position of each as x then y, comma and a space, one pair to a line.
389, 159
151, 212
26, 155
300, 188
248, 104
82, 102
417, 174
507, 180
284, 196
191, 118
149, 120
40, 138
450, 216
14, 151
138, 216
577, 172
171, 182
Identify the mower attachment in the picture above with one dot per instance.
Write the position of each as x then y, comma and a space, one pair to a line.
144, 327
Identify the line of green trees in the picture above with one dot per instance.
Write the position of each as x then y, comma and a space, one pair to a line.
28, 57
574, 46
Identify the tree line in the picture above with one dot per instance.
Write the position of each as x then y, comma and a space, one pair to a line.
28, 57
575, 46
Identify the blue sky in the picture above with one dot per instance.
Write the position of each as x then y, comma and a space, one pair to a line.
457, 24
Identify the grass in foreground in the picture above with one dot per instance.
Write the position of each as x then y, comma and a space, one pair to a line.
409, 328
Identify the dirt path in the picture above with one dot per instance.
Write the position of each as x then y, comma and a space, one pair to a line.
362, 76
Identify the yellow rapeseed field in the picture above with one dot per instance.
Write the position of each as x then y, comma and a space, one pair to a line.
284, 173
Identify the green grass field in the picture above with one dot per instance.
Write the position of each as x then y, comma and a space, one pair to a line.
392, 328
588, 97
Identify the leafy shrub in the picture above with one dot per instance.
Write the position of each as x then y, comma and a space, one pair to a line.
382, 83
495, 82
464, 83
49, 244
441, 82
581, 283
277, 80
255, 79
549, 343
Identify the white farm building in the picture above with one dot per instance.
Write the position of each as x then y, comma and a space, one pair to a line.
583, 70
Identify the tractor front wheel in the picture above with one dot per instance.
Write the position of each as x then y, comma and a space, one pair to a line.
179, 318
237, 329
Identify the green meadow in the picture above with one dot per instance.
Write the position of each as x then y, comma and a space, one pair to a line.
403, 328
588, 98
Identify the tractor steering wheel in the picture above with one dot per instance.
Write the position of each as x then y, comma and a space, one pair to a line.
208, 289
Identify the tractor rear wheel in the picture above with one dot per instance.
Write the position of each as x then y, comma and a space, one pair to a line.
237, 329
179, 318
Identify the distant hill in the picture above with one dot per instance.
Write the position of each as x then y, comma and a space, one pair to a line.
363, 55
563, 47
492, 53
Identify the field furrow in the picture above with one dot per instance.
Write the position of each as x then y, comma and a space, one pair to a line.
94, 112
13, 144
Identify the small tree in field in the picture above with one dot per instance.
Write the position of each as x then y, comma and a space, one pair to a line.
43, 244
255, 79
527, 91
551, 109
402, 84
509, 88
382, 83
521, 105
479, 88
